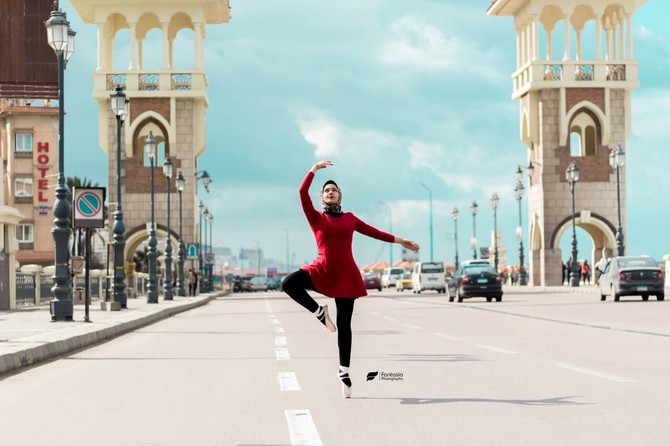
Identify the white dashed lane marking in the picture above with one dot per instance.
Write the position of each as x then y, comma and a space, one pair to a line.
497, 349
388, 318
574, 368
288, 382
279, 329
280, 340
451, 338
301, 428
411, 326
282, 354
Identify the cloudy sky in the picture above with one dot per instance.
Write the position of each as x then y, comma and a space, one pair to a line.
396, 93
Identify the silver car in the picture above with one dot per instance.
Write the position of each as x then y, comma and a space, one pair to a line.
632, 276
258, 283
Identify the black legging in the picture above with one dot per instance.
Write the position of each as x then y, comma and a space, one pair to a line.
296, 285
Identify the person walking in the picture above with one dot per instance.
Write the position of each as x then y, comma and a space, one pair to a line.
334, 272
190, 280
586, 273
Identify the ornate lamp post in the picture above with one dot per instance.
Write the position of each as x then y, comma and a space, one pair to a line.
181, 182
206, 179
617, 160
167, 281
201, 211
152, 293
211, 265
572, 176
119, 104
454, 214
430, 207
473, 240
495, 200
390, 229
518, 194
61, 39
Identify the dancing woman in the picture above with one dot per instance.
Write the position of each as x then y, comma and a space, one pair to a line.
334, 272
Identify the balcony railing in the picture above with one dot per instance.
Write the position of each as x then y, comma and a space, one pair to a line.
541, 74
156, 81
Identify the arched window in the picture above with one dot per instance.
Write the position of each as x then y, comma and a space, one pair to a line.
583, 136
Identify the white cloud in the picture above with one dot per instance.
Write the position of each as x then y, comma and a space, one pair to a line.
333, 140
650, 112
417, 44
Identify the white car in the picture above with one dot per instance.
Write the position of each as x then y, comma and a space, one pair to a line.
391, 275
428, 276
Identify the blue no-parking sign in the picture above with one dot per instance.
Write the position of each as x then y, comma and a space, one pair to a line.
192, 251
88, 207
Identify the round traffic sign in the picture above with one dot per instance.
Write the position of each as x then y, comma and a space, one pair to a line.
88, 204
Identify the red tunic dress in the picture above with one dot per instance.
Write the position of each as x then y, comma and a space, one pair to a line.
334, 272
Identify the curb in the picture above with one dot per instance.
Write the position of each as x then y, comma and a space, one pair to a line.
69, 342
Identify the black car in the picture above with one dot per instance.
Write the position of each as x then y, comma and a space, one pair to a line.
632, 276
475, 280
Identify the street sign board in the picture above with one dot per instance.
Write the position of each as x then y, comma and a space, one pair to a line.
192, 250
209, 258
88, 207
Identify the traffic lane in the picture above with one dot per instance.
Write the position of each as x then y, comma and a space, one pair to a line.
198, 378
620, 351
450, 388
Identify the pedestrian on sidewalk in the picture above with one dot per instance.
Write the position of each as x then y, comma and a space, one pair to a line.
334, 272
586, 273
190, 281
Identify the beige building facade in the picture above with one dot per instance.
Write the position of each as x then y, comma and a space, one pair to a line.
575, 75
29, 144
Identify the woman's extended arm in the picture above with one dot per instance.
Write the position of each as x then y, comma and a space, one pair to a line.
407, 244
305, 201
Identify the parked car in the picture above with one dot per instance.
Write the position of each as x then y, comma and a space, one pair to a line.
245, 283
391, 275
258, 283
475, 280
275, 282
372, 281
632, 276
237, 284
405, 283
428, 276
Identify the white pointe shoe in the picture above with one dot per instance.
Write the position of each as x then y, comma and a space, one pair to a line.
346, 391
326, 320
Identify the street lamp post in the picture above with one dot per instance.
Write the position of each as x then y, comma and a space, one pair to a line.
288, 266
119, 104
201, 210
61, 39
258, 257
518, 194
617, 160
572, 175
473, 241
203, 269
211, 252
167, 281
152, 293
430, 207
454, 215
390, 229
181, 182
495, 200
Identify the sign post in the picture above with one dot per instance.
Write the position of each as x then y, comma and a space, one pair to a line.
88, 213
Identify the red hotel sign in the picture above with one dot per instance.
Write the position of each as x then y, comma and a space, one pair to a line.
43, 166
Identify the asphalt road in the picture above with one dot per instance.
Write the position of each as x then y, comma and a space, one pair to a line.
255, 369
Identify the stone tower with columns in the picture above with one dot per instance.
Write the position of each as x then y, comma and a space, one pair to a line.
574, 78
166, 101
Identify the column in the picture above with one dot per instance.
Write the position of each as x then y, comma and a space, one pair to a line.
566, 37
598, 37
621, 41
198, 31
629, 22
166, 47
608, 34
101, 31
133, 44
535, 47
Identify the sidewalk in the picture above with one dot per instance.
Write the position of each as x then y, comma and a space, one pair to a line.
27, 336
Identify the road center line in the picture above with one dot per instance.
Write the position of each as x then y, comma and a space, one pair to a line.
451, 338
282, 354
279, 329
288, 382
411, 326
497, 349
301, 428
280, 340
574, 368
